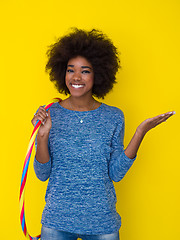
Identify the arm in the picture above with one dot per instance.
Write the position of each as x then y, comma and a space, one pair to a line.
42, 152
142, 129
121, 160
42, 161
133, 146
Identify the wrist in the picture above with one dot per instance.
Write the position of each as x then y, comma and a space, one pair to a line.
140, 131
43, 137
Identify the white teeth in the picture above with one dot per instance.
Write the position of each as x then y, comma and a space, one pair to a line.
77, 86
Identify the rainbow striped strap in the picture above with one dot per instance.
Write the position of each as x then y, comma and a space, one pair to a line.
25, 171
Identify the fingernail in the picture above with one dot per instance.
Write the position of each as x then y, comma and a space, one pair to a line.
172, 112
162, 115
47, 114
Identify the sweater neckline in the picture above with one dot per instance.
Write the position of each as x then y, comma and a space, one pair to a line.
71, 111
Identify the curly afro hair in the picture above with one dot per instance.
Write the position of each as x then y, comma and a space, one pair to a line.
93, 45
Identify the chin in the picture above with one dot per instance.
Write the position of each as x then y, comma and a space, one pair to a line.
78, 92
76, 95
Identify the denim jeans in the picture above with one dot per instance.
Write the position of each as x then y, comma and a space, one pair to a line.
52, 234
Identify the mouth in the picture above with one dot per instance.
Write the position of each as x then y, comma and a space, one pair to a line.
77, 85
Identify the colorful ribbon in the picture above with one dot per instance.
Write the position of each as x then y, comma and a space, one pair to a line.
25, 171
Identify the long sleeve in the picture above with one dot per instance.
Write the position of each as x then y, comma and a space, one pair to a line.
42, 170
119, 163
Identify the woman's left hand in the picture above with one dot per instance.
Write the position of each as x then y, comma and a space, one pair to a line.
150, 123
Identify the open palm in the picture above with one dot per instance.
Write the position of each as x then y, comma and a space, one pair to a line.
150, 123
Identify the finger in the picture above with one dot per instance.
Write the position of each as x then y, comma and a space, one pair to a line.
161, 116
48, 114
39, 117
167, 117
42, 108
164, 119
43, 122
41, 114
168, 113
164, 116
33, 121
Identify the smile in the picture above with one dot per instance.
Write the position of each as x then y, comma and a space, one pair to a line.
77, 85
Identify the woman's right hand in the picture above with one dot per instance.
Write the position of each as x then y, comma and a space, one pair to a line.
45, 119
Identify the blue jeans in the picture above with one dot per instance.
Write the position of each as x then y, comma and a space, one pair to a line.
52, 234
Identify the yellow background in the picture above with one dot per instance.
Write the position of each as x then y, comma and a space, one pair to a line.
147, 33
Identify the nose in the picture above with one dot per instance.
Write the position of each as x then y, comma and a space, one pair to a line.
77, 76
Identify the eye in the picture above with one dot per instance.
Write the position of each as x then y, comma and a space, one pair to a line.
70, 70
86, 71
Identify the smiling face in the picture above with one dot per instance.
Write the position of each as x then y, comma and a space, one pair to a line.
79, 77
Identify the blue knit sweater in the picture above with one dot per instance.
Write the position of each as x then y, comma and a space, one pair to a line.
85, 159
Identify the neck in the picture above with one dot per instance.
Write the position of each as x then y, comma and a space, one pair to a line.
80, 103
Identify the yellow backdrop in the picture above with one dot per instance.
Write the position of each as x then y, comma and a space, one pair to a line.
147, 33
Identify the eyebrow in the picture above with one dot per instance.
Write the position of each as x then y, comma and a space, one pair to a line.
81, 66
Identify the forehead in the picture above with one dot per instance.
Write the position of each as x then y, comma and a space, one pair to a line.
79, 61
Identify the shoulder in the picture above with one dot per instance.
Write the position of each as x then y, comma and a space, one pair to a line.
55, 105
113, 110
114, 113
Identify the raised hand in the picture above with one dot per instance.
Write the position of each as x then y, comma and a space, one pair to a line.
150, 123
141, 130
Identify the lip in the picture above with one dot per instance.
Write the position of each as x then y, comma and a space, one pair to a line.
77, 85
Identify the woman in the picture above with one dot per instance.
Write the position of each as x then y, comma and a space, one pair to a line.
80, 142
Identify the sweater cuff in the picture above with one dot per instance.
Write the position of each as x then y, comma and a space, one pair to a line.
126, 158
42, 170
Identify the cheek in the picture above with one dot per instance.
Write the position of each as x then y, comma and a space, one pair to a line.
91, 80
66, 79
